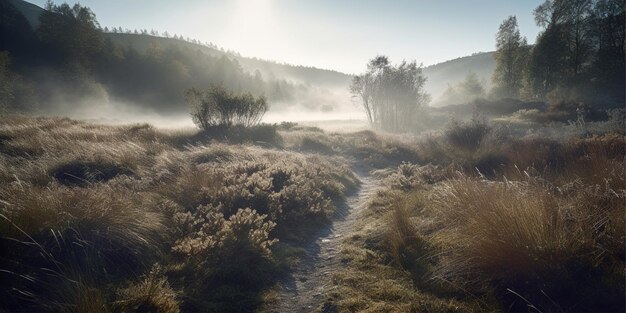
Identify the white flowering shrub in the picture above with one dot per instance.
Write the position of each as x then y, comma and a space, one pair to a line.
290, 192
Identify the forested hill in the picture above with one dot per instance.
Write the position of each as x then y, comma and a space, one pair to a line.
271, 69
53, 60
267, 68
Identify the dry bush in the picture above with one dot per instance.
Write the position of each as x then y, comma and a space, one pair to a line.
151, 294
594, 160
406, 245
467, 135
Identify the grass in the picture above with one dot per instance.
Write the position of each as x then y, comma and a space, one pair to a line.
86, 209
366, 149
554, 248
509, 223
478, 217
386, 262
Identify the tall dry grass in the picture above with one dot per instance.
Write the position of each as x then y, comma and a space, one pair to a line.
87, 208
554, 247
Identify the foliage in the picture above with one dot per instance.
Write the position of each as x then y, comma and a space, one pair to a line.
391, 95
467, 135
219, 107
547, 234
582, 47
511, 57
70, 33
16, 95
367, 148
152, 293
69, 58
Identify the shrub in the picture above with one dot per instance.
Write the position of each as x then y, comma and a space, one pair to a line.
467, 135
264, 135
219, 107
151, 294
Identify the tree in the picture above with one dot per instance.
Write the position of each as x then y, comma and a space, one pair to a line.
391, 95
220, 107
577, 34
71, 34
608, 32
511, 56
547, 62
567, 52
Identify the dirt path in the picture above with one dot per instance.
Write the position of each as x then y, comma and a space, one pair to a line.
303, 290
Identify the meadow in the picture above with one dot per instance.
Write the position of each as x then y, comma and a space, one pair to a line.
472, 217
493, 218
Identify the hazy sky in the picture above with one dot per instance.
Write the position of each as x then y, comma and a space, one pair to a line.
334, 34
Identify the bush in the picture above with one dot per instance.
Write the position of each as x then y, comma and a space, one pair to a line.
219, 107
467, 135
152, 294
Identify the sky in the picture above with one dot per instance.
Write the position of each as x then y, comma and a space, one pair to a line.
340, 35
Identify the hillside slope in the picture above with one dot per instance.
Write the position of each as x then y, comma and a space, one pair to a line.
451, 72
271, 69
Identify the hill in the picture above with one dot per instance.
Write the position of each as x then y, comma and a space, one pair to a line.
271, 69
151, 72
451, 72
30, 11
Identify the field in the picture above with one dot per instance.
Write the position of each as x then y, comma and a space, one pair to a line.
408, 157
473, 217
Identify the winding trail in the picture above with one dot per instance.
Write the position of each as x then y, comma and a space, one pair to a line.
303, 289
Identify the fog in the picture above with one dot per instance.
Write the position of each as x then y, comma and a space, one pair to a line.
322, 107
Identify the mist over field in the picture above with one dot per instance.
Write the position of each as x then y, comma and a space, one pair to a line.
312, 156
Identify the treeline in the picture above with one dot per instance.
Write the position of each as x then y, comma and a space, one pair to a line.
578, 56
69, 58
